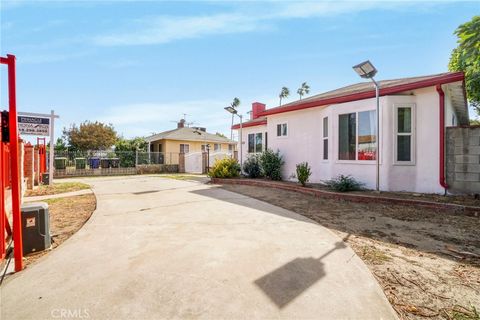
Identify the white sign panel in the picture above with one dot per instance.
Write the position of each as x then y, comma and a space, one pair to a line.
34, 126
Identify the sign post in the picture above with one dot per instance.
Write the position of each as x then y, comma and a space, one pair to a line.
39, 124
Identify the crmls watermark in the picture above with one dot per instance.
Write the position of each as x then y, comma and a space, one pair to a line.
65, 313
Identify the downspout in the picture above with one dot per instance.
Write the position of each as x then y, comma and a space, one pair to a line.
441, 95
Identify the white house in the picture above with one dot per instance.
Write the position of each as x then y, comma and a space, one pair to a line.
335, 132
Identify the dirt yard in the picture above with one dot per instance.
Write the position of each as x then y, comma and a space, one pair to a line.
427, 262
67, 216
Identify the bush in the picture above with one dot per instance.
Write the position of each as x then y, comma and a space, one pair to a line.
344, 184
252, 167
271, 163
225, 168
303, 172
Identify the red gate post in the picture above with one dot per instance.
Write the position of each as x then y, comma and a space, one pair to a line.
2, 205
14, 163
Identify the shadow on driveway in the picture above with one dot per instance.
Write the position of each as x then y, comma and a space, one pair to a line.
289, 281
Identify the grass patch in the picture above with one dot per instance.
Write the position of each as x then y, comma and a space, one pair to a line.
57, 188
176, 176
184, 177
462, 313
373, 255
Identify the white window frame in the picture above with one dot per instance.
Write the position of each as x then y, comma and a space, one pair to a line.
356, 161
276, 129
325, 138
184, 144
217, 147
254, 142
413, 144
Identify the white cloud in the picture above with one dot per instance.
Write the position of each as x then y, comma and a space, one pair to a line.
164, 29
141, 119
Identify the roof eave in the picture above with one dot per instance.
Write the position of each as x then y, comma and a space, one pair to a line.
249, 124
444, 79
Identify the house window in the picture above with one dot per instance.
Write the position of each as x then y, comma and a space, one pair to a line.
282, 130
217, 147
255, 142
266, 140
251, 143
325, 138
230, 147
367, 136
404, 134
346, 136
258, 142
184, 148
363, 125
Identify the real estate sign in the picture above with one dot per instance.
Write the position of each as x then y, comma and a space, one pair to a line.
34, 126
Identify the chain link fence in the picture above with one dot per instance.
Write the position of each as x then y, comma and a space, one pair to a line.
92, 163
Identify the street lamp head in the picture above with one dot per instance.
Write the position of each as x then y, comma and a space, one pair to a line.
365, 69
231, 109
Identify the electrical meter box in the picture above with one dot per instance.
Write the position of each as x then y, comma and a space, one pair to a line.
35, 227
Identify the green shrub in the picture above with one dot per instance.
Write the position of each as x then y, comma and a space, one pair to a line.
344, 184
252, 167
225, 168
303, 173
271, 163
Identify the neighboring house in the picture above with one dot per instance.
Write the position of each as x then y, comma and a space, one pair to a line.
188, 140
335, 132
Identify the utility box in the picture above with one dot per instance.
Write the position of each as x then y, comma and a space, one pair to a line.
35, 227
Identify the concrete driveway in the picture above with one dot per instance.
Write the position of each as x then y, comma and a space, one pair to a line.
158, 248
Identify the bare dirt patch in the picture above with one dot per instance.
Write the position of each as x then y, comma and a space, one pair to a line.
427, 262
57, 188
67, 216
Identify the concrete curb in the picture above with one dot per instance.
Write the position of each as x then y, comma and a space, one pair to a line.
445, 207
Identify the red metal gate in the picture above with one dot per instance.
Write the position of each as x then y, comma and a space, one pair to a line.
9, 167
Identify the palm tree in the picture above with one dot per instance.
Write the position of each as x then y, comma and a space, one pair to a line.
283, 94
235, 103
303, 90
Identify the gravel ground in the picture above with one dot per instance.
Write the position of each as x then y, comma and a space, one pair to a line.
427, 262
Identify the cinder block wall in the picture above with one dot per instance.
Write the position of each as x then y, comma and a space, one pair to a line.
463, 159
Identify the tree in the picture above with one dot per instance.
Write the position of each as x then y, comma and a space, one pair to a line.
466, 57
126, 150
283, 94
221, 135
303, 90
60, 145
235, 103
135, 144
90, 136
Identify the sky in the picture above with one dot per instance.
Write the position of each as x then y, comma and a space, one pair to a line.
141, 65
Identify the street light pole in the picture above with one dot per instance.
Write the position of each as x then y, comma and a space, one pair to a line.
241, 142
231, 129
377, 140
368, 71
234, 111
